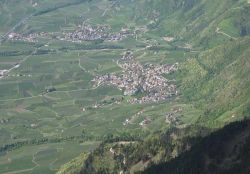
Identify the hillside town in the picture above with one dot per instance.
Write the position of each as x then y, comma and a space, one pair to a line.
137, 78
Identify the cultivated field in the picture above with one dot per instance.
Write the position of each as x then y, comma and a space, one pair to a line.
50, 110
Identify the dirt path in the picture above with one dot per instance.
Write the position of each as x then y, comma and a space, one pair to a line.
25, 58
22, 98
108, 8
223, 33
40, 95
19, 171
34, 161
51, 98
80, 66
51, 165
26, 170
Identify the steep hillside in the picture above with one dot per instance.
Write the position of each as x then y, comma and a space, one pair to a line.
189, 150
223, 152
193, 23
217, 80
121, 155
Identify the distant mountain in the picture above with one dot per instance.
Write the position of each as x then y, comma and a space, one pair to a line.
201, 23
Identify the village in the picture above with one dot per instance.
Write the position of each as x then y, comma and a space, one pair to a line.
19, 37
137, 78
84, 32
87, 32
32, 37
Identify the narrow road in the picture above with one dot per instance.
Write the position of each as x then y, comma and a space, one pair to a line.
26, 170
19, 171
40, 95
108, 8
82, 68
223, 33
22, 98
25, 58
51, 167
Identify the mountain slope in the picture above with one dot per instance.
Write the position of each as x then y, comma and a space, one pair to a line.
199, 23
218, 81
116, 155
189, 150
224, 151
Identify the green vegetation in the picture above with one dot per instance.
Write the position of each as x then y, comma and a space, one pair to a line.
51, 111
224, 151
227, 67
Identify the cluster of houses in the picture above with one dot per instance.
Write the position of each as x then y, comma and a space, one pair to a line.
32, 37
87, 32
3, 73
146, 79
146, 121
20, 37
84, 32
171, 117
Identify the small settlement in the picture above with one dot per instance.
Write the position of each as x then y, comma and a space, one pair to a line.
146, 79
87, 32
84, 32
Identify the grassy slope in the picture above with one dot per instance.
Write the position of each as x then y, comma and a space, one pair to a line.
217, 81
74, 166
